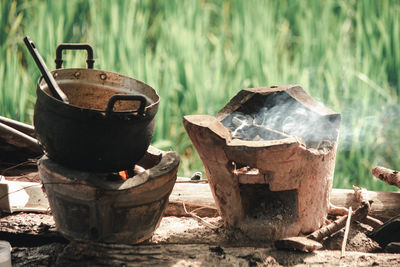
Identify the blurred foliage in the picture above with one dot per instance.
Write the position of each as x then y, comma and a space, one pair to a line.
199, 54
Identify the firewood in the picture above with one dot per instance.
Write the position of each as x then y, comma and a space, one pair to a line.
19, 126
346, 233
306, 244
389, 176
337, 211
385, 204
300, 243
335, 226
362, 196
13, 137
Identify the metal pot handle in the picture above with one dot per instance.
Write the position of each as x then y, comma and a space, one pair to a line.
74, 46
118, 97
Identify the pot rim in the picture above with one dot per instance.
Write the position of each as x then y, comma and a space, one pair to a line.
41, 85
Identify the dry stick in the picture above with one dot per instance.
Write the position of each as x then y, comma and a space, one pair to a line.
335, 226
362, 197
346, 233
337, 211
22, 137
389, 176
373, 222
199, 219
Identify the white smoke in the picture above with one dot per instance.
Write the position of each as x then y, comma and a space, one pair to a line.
278, 116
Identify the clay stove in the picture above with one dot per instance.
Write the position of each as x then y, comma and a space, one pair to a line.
104, 208
269, 156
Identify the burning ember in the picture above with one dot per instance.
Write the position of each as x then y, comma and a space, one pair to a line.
131, 172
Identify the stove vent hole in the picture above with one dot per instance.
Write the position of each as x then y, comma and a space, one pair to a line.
260, 203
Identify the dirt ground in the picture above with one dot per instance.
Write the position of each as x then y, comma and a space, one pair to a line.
180, 241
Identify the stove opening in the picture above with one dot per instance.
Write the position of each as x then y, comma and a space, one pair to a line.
261, 203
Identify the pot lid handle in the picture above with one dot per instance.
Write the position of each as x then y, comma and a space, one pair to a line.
119, 97
74, 46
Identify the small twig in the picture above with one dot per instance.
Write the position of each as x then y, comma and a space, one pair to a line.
199, 219
202, 208
34, 160
346, 233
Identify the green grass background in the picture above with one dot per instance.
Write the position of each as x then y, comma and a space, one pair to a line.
199, 53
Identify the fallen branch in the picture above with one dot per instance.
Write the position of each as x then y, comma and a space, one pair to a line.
388, 176
362, 197
346, 233
311, 242
16, 138
335, 226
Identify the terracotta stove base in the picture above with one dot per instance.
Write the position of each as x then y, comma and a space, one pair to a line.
268, 184
87, 206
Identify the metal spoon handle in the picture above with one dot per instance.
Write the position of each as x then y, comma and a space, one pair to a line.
53, 86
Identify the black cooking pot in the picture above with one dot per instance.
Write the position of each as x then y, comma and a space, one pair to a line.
108, 123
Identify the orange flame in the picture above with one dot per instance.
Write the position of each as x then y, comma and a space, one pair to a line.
123, 174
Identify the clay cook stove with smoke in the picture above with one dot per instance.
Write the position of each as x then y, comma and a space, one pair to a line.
269, 156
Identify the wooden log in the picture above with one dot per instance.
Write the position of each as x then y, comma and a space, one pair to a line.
300, 243
385, 204
18, 141
19, 126
335, 226
90, 254
389, 176
17, 138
